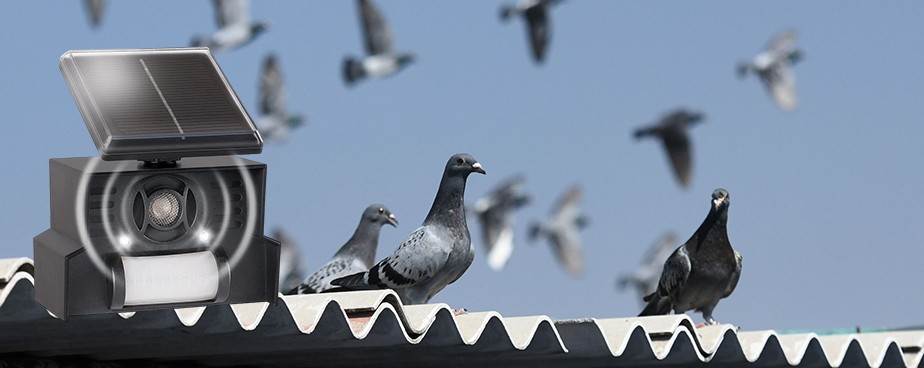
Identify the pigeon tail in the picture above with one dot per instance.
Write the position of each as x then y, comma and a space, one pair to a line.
356, 281
657, 305
352, 70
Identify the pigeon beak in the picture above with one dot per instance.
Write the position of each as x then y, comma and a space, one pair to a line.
719, 201
478, 168
393, 220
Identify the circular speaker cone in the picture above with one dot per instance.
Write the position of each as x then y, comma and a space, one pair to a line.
164, 208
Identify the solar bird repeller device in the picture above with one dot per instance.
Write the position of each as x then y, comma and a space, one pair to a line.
166, 217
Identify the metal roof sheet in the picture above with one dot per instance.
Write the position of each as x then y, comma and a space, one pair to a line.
374, 328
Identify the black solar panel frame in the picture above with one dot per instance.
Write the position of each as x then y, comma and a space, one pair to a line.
158, 104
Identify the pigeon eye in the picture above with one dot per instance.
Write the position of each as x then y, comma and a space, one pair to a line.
460, 161
381, 210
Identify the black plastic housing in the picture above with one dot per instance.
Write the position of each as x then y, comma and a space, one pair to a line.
68, 283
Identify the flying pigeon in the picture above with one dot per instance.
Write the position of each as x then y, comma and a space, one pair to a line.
291, 270
672, 131
495, 214
276, 121
95, 9
381, 59
773, 66
434, 255
538, 25
357, 255
235, 29
700, 272
645, 279
563, 231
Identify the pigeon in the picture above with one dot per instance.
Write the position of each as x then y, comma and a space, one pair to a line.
495, 214
356, 255
235, 29
381, 59
563, 231
276, 121
645, 279
291, 270
773, 67
672, 131
536, 15
434, 255
700, 272
95, 9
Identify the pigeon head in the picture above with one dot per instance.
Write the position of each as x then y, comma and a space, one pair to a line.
380, 215
720, 199
462, 164
258, 28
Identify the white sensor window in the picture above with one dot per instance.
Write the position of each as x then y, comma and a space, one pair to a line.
174, 278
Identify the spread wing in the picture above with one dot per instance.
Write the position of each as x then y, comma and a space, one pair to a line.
783, 43
272, 89
376, 33
538, 27
781, 84
677, 146
564, 230
231, 12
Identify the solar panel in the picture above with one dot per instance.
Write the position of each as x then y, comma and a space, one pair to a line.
158, 104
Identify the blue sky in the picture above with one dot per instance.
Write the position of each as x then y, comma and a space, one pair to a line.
827, 207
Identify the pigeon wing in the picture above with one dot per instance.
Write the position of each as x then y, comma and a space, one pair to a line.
320, 280
564, 233
537, 24
675, 273
781, 84
376, 32
677, 146
736, 274
416, 260
783, 43
231, 12
272, 89
567, 244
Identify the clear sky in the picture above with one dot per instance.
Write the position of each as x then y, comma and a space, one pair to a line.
827, 205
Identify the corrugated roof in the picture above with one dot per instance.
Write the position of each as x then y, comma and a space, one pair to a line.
373, 328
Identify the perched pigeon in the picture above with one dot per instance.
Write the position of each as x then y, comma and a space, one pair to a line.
538, 25
434, 255
381, 59
495, 214
291, 270
276, 121
645, 279
672, 131
700, 272
563, 231
235, 29
773, 67
357, 255
95, 9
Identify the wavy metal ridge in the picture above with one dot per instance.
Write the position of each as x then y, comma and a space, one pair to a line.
326, 330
